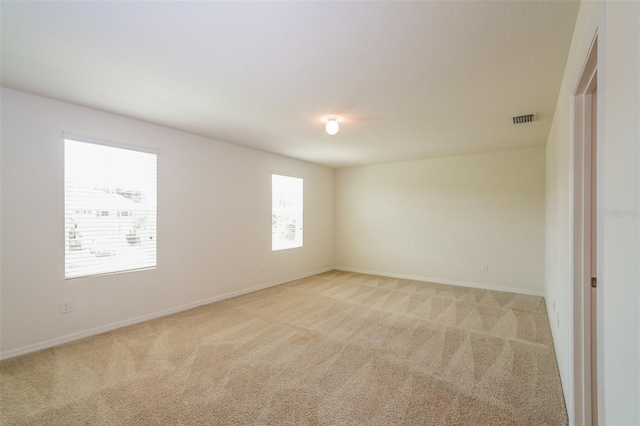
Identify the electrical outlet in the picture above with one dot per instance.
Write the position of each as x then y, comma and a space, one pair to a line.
65, 306
484, 268
358, 256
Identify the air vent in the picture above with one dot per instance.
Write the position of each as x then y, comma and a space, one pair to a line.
524, 119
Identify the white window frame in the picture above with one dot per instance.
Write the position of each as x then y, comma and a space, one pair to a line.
132, 239
287, 212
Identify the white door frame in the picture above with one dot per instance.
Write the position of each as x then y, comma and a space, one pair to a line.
583, 88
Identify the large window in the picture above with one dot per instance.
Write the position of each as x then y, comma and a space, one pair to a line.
110, 209
286, 209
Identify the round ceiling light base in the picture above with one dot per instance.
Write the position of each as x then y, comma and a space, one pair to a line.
332, 125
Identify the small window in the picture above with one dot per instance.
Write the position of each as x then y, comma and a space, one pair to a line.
108, 180
286, 209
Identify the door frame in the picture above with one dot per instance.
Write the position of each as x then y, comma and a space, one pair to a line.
582, 122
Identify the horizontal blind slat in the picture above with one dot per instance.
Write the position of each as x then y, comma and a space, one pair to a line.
110, 209
287, 212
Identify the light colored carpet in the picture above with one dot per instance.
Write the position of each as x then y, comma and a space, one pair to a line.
337, 349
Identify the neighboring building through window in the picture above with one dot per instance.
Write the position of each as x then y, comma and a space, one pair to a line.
110, 209
286, 209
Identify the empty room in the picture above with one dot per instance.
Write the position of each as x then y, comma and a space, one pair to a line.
320, 213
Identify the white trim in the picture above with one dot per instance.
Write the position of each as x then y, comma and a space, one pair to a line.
286, 174
589, 43
443, 281
103, 142
567, 365
578, 390
104, 328
113, 326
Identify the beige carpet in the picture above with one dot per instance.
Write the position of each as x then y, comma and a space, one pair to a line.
337, 349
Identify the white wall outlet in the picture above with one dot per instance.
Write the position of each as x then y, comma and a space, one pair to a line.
65, 306
358, 256
484, 268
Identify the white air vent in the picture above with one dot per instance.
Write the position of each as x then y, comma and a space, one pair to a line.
524, 119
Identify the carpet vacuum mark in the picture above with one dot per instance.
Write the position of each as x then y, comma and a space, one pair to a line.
336, 348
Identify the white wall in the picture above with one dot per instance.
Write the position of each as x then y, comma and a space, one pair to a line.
214, 223
440, 219
558, 232
619, 311
618, 253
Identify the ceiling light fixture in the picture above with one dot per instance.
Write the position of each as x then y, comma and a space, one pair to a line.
332, 126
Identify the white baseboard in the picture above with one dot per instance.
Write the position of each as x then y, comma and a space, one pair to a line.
104, 328
443, 281
565, 381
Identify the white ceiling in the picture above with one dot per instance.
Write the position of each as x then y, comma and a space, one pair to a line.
407, 80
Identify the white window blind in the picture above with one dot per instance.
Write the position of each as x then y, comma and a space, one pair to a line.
286, 209
110, 209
